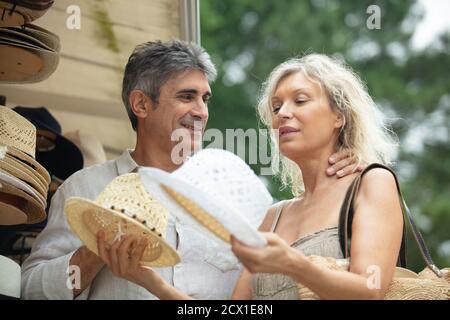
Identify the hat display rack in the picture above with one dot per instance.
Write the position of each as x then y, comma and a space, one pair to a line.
28, 54
23, 188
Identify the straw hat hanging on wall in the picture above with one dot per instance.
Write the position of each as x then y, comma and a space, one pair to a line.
29, 54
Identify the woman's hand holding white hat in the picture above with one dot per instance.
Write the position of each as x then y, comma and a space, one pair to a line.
276, 257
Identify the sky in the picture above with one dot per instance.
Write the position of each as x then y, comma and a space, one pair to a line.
436, 20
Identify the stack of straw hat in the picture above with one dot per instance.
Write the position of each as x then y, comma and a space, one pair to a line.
28, 53
23, 181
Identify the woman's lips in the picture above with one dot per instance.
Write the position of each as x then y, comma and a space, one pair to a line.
285, 131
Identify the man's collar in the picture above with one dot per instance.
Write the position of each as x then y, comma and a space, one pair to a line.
125, 163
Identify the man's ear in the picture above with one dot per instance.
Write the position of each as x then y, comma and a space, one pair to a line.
140, 103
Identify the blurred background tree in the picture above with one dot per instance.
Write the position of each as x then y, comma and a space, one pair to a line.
247, 39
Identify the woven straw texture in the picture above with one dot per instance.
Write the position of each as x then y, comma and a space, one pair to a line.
200, 215
123, 207
18, 136
224, 176
214, 191
406, 284
17, 132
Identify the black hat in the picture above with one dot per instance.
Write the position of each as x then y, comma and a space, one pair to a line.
65, 158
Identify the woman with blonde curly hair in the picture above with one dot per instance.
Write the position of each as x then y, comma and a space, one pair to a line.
318, 106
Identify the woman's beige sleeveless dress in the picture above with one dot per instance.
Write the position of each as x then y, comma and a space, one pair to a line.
324, 242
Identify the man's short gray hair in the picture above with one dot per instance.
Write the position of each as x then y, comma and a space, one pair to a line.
152, 63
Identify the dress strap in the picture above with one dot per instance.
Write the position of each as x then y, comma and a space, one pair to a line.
279, 208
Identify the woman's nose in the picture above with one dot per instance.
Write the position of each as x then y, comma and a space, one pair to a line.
284, 111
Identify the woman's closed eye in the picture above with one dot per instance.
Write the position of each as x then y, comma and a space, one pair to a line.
276, 108
300, 101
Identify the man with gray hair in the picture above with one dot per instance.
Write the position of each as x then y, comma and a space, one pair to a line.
166, 87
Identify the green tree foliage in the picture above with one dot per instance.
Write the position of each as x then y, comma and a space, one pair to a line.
247, 39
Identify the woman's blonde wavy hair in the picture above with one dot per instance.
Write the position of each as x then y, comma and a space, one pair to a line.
364, 133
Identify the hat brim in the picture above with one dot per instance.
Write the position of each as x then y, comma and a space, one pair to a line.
190, 204
11, 180
79, 213
29, 170
31, 207
10, 215
50, 63
15, 170
16, 35
30, 161
50, 39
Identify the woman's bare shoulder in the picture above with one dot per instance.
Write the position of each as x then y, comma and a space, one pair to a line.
378, 182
